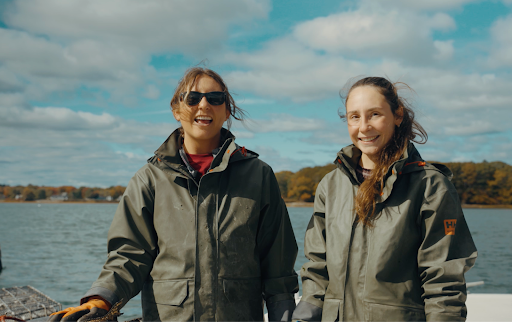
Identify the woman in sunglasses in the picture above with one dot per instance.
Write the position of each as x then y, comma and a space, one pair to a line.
202, 229
387, 240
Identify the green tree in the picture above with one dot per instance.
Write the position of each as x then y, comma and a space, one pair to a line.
29, 194
41, 194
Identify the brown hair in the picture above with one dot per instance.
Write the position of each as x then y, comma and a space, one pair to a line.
187, 82
408, 130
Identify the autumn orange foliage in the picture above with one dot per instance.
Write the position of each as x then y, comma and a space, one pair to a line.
484, 183
32, 193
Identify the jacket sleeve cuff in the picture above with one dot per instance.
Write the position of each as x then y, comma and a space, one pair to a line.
444, 317
274, 289
307, 312
105, 293
279, 298
280, 310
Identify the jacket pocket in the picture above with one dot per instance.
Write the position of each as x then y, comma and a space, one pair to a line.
381, 312
167, 292
331, 310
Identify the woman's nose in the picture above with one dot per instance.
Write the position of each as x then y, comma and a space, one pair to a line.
203, 103
364, 124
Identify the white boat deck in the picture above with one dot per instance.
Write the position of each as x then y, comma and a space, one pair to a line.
483, 307
489, 307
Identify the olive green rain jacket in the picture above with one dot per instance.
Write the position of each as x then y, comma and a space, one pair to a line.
409, 267
212, 250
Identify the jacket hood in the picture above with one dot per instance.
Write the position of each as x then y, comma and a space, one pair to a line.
168, 153
411, 161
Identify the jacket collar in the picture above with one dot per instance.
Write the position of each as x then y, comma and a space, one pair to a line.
411, 161
167, 155
347, 160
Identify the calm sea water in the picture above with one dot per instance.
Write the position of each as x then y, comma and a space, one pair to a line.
60, 248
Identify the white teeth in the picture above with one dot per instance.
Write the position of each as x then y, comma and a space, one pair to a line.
368, 139
204, 118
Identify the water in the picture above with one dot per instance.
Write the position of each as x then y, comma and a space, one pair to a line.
60, 248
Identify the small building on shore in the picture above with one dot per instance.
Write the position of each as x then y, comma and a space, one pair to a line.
60, 197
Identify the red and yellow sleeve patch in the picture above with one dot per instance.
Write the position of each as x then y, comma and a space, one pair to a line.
449, 226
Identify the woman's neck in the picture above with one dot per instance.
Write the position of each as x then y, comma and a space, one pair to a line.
366, 163
200, 147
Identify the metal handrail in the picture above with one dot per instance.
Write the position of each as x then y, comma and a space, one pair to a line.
475, 284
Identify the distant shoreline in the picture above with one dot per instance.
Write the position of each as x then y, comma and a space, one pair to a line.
299, 204
310, 204
487, 206
59, 201
293, 204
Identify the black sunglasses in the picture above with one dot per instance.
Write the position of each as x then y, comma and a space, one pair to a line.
214, 98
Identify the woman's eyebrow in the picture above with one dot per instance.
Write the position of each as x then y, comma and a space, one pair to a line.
375, 108
371, 109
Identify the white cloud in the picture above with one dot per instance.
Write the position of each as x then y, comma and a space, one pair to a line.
333, 134
449, 90
501, 49
84, 60
240, 134
30, 125
152, 92
444, 49
45, 67
105, 49
55, 118
253, 101
450, 103
282, 163
421, 5
12, 100
153, 26
60, 146
9, 82
285, 68
132, 155
285, 123
475, 148
371, 32
472, 128
54, 46
320, 55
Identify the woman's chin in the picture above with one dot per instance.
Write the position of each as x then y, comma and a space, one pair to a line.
369, 151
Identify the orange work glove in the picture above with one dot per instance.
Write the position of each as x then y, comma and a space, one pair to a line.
95, 307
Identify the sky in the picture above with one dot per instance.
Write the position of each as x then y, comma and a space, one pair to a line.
85, 86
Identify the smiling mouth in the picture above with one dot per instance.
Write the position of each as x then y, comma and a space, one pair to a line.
369, 139
204, 120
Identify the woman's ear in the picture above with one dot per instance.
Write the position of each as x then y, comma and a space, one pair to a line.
399, 116
176, 114
228, 114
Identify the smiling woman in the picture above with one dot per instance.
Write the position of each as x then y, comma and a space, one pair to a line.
202, 112
380, 124
371, 123
201, 229
388, 240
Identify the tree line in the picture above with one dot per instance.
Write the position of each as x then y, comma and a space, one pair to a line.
63, 193
484, 183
